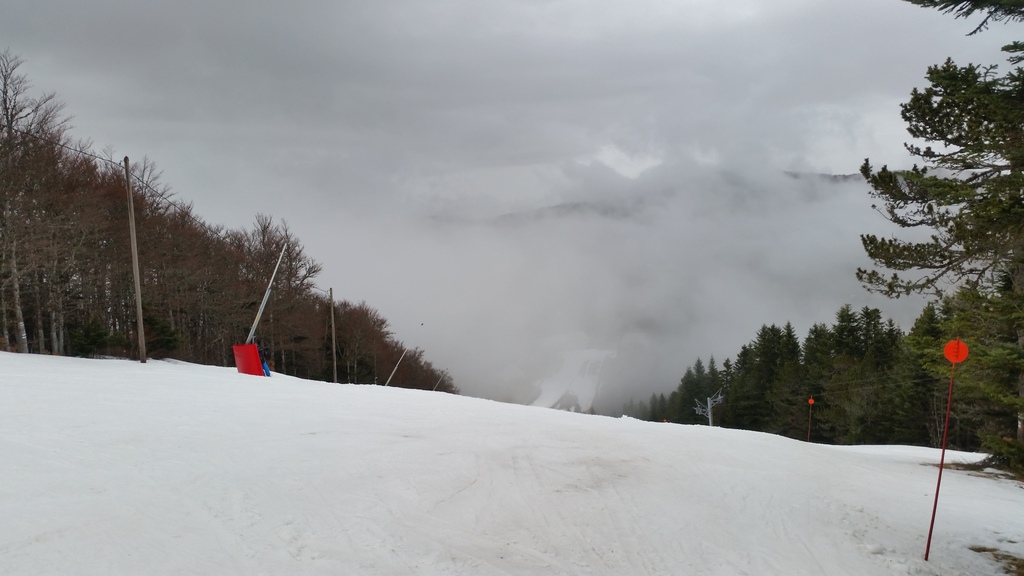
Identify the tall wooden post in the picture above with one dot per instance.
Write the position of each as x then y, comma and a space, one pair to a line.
334, 342
135, 262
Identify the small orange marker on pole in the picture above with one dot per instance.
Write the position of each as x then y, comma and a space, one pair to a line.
810, 407
956, 352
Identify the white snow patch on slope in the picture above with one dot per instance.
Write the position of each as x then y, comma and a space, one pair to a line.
576, 383
111, 467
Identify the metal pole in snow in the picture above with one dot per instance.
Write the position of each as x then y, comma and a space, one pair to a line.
252, 331
942, 461
810, 410
388, 381
955, 352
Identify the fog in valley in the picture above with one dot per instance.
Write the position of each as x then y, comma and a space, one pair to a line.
508, 181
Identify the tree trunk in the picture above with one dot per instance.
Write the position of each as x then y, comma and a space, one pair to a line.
19, 317
57, 331
56, 320
1020, 393
1018, 289
5, 336
40, 332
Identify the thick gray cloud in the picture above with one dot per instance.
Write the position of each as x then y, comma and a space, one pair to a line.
502, 179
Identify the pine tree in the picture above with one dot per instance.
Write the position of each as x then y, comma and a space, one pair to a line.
857, 376
740, 397
986, 401
787, 392
841, 416
971, 114
818, 354
695, 387
753, 375
920, 400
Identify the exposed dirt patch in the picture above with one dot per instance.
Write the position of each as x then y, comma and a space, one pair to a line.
1013, 565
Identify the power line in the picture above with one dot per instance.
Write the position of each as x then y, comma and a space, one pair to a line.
181, 207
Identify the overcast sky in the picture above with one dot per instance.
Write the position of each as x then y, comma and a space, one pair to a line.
505, 179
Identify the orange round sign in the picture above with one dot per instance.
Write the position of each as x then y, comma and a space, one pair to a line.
955, 351
810, 401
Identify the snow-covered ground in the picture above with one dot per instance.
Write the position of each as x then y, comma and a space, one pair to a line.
576, 383
111, 467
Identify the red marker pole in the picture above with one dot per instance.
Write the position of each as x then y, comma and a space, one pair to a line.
956, 352
810, 407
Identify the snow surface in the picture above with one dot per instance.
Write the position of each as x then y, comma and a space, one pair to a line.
113, 467
577, 380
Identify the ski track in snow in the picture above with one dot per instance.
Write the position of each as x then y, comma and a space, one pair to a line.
112, 467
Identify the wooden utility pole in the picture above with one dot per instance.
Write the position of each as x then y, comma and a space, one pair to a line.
135, 262
334, 342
